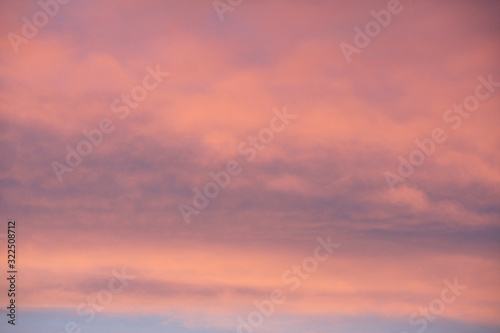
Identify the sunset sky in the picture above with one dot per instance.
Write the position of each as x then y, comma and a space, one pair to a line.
381, 138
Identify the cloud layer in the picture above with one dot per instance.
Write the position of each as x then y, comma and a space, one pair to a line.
323, 174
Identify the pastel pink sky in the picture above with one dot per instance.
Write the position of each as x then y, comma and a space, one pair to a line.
322, 175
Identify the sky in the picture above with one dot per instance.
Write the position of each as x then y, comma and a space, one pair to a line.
251, 166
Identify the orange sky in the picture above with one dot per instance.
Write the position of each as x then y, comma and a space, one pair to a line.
322, 174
